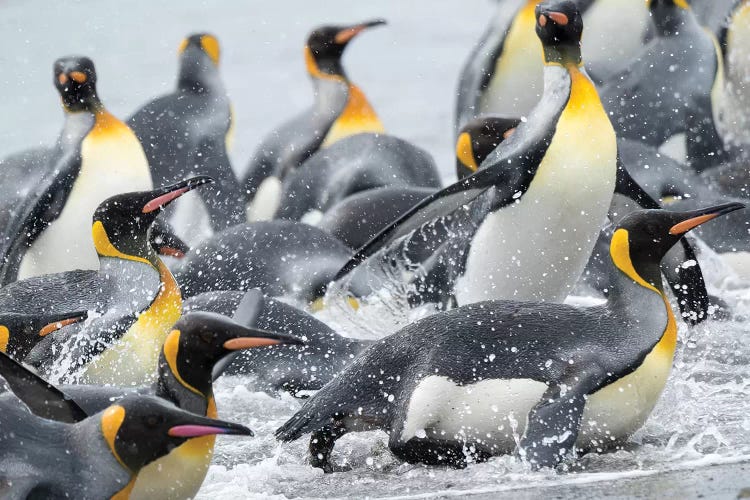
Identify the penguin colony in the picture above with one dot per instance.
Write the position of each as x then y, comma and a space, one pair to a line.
580, 165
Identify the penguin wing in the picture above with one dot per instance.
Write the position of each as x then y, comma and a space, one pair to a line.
41, 397
18, 487
509, 184
36, 212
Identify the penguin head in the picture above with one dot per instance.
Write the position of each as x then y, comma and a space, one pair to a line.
559, 26
326, 44
478, 138
121, 223
668, 15
141, 429
201, 339
75, 80
643, 238
199, 58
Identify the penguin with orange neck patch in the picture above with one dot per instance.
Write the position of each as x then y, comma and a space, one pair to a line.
461, 386
100, 456
132, 300
340, 110
187, 132
197, 342
96, 156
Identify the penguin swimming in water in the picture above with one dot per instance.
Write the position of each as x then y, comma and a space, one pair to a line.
460, 385
133, 300
285, 367
503, 74
282, 258
340, 109
350, 165
99, 457
187, 131
198, 342
673, 87
96, 156
552, 181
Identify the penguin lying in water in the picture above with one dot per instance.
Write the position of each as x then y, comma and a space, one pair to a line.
340, 109
538, 182
351, 165
96, 156
99, 457
459, 386
188, 131
285, 367
198, 342
132, 300
282, 258
672, 88
503, 74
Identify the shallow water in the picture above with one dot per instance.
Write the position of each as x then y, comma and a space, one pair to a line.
698, 438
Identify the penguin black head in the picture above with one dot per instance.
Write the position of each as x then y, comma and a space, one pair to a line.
200, 339
75, 79
141, 429
326, 44
559, 26
121, 223
199, 58
478, 138
643, 238
668, 15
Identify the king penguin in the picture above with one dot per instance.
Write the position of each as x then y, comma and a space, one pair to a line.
460, 386
133, 299
550, 181
96, 156
197, 342
503, 74
670, 95
340, 109
99, 457
187, 133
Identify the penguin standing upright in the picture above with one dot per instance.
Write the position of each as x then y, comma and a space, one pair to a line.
551, 181
96, 156
99, 457
133, 297
670, 94
340, 109
462, 385
186, 132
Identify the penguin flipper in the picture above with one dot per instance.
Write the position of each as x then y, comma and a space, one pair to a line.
437, 205
19, 488
41, 397
554, 422
705, 148
35, 213
680, 266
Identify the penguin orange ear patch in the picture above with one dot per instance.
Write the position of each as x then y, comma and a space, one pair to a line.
210, 46
559, 18
62, 78
78, 76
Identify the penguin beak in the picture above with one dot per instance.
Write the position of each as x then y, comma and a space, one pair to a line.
345, 35
201, 426
259, 338
165, 196
695, 218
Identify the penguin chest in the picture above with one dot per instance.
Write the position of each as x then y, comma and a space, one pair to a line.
112, 162
491, 413
133, 359
517, 82
536, 247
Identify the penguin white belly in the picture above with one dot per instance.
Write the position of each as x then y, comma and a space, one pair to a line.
536, 248
112, 162
517, 83
491, 412
267, 199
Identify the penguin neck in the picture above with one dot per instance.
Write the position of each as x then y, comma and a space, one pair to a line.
87, 437
636, 296
186, 392
200, 79
329, 70
674, 21
565, 55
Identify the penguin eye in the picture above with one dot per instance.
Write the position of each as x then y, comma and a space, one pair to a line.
152, 421
207, 337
